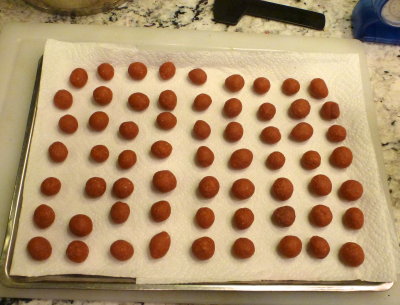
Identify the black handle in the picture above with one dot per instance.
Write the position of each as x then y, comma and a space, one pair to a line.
288, 14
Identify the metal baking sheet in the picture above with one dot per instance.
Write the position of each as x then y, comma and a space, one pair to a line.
111, 283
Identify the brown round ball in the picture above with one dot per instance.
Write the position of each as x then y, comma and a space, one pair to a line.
351, 254
208, 187
98, 121
121, 250
201, 130
138, 101
330, 111
159, 245
44, 216
99, 153
290, 86
336, 133
310, 160
68, 124
197, 76
128, 130
58, 152
243, 248
161, 149
77, 251
167, 100
202, 102
318, 88
63, 99
318, 247
50, 186
290, 246
233, 132
341, 157
261, 85
205, 217
241, 158
204, 156
123, 187
282, 189
320, 185
243, 218
105, 71
95, 187
266, 112
270, 135
80, 225
203, 248
127, 159
160, 211
275, 160
351, 190
137, 70
78, 78
299, 109
167, 70
232, 107
164, 181
301, 132
353, 218
243, 188
39, 248
102, 95
284, 216
320, 215
119, 212
234, 83
166, 120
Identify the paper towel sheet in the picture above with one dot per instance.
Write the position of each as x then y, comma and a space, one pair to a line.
342, 75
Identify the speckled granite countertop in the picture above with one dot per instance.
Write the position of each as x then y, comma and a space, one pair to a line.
383, 60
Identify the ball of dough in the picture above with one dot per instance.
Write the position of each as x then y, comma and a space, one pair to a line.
318, 88
95, 187
166, 120
80, 225
203, 248
201, 130
167, 70
77, 251
290, 86
284, 216
121, 250
123, 187
98, 121
202, 102
58, 152
351, 190
63, 99
208, 187
160, 211
310, 160
330, 111
234, 83
204, 156
44, 216
99, 153
320, 185
137, 70
233, 132
266, 112
164, 181
232, 107
301, 132
341, 157
282, 189
161, 149
119, 212
78, 78
204, 217
241, 158
102, 95
105, 71
127, 159
138, 101
290, 246
68, 124
336, 133
320, 215
243, 188
353, 218
159, 245
197, 76
299, 109
270, 135
167, 100
128, 130
50, 186
275, 160
243, 248
39, 248
243, 218
351, 254
318, 247
261, 85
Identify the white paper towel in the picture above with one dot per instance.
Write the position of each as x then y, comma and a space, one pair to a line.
342, 75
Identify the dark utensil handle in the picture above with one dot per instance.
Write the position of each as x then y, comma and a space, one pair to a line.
286, 14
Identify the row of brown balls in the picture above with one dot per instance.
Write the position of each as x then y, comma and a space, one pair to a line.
350, 253
233, 83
